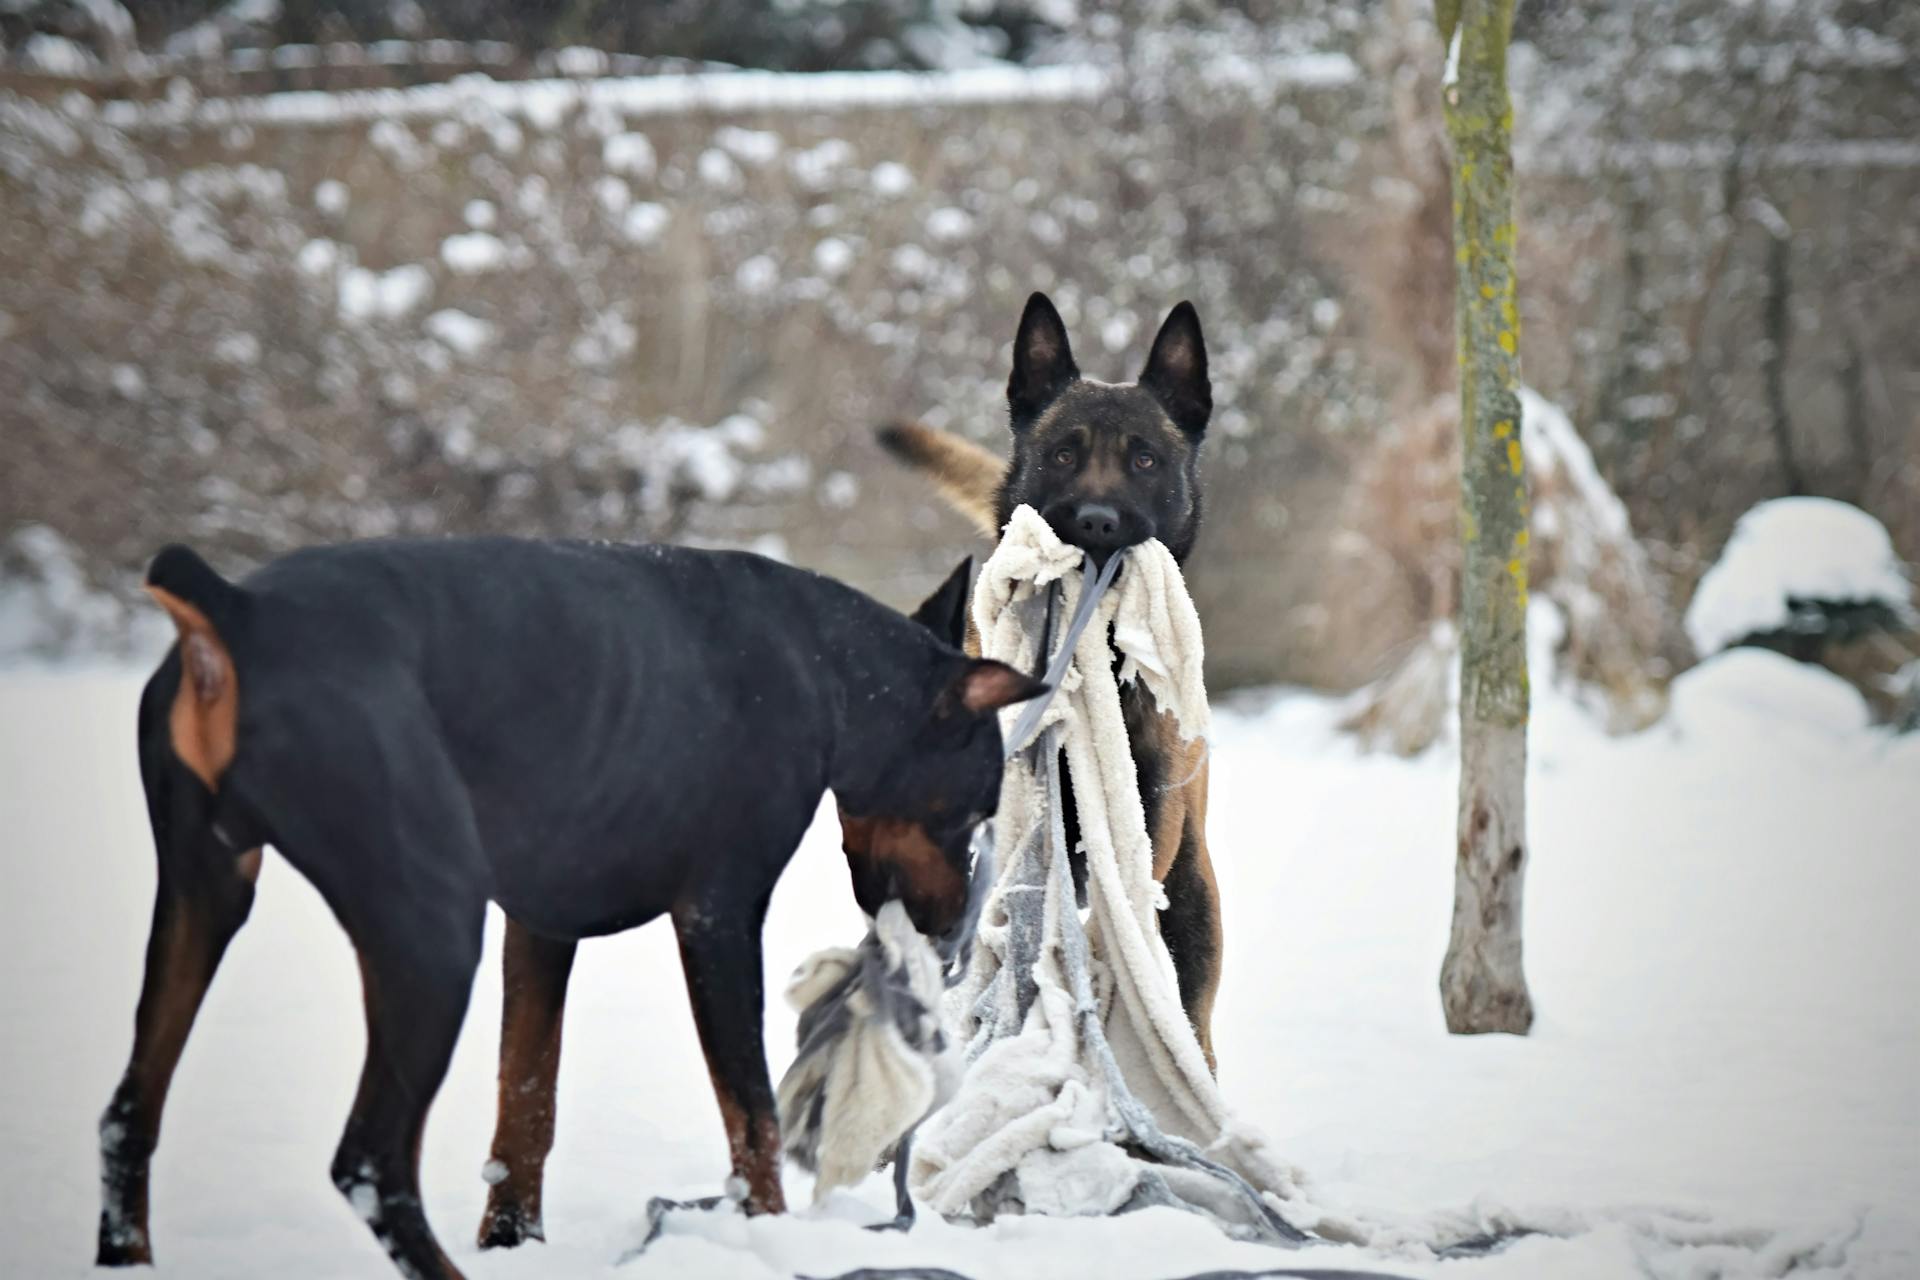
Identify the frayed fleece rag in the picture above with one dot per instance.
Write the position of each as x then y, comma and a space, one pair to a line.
1047, 1114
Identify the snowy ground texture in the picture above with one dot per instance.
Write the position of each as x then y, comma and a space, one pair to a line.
1721, 940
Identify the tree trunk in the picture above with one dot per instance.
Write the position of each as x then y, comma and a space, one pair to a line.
1779, 322
1483, 986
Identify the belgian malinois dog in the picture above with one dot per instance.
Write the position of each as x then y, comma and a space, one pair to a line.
1108, 466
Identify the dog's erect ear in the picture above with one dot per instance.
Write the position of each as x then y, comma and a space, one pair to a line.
984, 686
1042, 361
945, 611
1176, 371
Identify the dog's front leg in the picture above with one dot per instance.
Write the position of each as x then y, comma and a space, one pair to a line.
534, 972
720, 949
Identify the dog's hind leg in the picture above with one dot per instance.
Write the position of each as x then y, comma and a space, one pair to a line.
205, 892
416, 996
1190, 924
367, 805
534, 996
720, 950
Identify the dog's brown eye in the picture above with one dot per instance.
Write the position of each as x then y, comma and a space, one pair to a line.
1063, 456
1143, 461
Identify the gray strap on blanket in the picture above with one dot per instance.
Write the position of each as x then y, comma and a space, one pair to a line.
956, 949
1135, 1123
1092, 587
1027, 881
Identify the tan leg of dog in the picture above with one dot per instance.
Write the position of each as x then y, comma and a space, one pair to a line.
534, 996
1191, 923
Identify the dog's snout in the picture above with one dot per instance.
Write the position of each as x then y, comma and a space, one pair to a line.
1098, 523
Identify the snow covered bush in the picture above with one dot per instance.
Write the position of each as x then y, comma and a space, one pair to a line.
1818, 581
1801, 568
1399, 556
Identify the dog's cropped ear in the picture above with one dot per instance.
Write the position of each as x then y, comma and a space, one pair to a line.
1176, 371
1042, 361
984, 686
945, 611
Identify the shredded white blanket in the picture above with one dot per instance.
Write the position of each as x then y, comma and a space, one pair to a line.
1086, 1091
1041, 1122
872, 1057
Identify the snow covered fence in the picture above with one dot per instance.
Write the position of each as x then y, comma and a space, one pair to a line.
537, 307
538, 101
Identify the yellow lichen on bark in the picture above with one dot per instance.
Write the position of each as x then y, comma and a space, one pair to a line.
1482, 981
1487, 332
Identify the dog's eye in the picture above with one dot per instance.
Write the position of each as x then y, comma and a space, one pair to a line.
1063, 455
1143, 461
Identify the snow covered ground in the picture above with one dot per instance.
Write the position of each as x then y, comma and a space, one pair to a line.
1721, 941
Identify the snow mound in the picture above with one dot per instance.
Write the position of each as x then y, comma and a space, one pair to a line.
1788, 552
1744, 691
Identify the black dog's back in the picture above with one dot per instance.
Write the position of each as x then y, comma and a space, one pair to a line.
590, 700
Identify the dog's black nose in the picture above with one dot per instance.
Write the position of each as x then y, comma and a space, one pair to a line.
1098, 523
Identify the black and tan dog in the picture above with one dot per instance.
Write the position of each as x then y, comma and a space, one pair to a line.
589, 736
535, 972
1108, 466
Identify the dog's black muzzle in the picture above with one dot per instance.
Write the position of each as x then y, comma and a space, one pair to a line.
1098, 528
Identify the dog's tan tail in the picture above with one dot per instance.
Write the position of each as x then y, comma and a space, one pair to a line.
966, 476
206, 710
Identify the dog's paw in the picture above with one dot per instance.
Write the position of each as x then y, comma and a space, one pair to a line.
122, 1246
508, 1226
